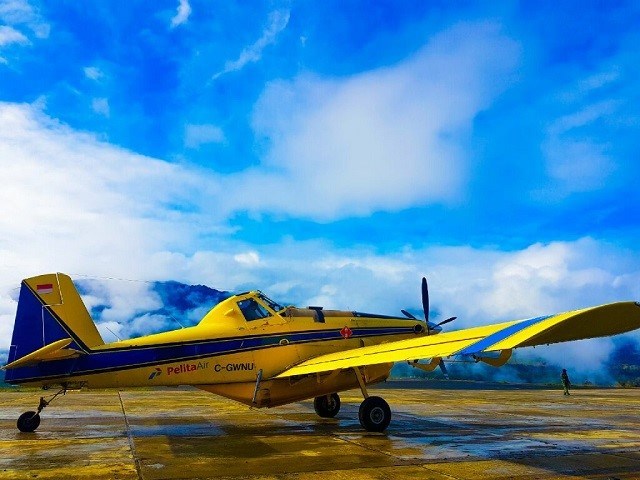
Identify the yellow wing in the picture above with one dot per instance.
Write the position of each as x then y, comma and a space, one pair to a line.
601, 321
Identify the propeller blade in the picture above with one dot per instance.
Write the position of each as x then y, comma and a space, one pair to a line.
444, 369
450, 319
425, 299
408, 315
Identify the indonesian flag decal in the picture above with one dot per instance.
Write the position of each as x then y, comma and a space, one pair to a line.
44, 288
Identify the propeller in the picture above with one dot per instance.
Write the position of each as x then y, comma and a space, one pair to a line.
444, 369
425, 307
408, 315
425, 300
450, 319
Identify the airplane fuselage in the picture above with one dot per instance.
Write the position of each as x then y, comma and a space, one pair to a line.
226, 352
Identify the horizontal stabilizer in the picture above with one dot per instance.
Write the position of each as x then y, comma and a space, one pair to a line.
54, 351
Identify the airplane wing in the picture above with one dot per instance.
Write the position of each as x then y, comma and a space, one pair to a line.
600, 321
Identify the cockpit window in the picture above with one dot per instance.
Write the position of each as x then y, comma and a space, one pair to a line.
252, 310
272, 305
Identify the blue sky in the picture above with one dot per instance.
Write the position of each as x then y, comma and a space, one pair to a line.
327, 152
546, 135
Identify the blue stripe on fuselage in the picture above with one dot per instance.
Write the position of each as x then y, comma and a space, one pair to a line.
133, 357
500, 335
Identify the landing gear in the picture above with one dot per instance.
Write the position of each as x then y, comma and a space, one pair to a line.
374, 414
29, 421
327, 406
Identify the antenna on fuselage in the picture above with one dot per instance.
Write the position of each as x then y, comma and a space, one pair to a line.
113, 333
175, 320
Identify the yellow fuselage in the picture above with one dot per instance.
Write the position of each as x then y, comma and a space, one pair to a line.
226, 353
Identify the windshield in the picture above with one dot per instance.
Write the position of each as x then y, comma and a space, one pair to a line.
276, 307
252, 310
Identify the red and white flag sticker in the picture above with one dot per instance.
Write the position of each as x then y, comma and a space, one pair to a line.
44, 288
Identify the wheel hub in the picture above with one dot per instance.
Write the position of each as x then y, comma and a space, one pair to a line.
377, 415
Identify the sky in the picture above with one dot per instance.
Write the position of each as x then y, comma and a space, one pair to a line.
328, 153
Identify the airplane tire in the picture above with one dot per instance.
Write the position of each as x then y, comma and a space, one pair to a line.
374, 414
28, 422
327, 406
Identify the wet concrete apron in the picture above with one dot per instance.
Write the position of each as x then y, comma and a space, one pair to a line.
452, 434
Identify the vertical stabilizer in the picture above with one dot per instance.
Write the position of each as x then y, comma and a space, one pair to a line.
50, 309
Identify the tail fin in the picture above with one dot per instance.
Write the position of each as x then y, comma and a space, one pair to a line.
50, 310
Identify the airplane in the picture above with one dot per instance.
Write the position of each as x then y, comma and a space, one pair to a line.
253, 350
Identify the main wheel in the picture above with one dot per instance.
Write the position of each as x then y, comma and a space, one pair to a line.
327, 406
374, 414
28, 421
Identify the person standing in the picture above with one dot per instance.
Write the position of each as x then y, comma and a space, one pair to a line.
566, 383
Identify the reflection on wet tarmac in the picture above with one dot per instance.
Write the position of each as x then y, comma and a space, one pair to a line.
435, 433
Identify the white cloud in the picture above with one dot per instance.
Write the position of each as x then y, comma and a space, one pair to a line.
70, 200
381, 140
93, 73
574, 160
182, 13
15, 11
74, 204
20, 12
111, 331
9, 35
101, 106
248, 259
197, 135
278, 21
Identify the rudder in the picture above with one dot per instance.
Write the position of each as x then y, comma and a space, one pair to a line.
50, 309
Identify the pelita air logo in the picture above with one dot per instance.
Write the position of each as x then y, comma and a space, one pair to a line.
156, 373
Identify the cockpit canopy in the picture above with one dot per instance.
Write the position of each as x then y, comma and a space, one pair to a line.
252, 309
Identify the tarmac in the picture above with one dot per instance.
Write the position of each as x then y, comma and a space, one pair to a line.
435, 433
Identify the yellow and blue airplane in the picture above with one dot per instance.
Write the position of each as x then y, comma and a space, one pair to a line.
251, 349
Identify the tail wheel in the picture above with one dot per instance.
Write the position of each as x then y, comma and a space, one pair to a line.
374, 414
327, 406
28, 422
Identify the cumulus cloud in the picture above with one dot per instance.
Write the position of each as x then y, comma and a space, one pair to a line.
69, 200
384, 139
197, 135
278, 21
182, 13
